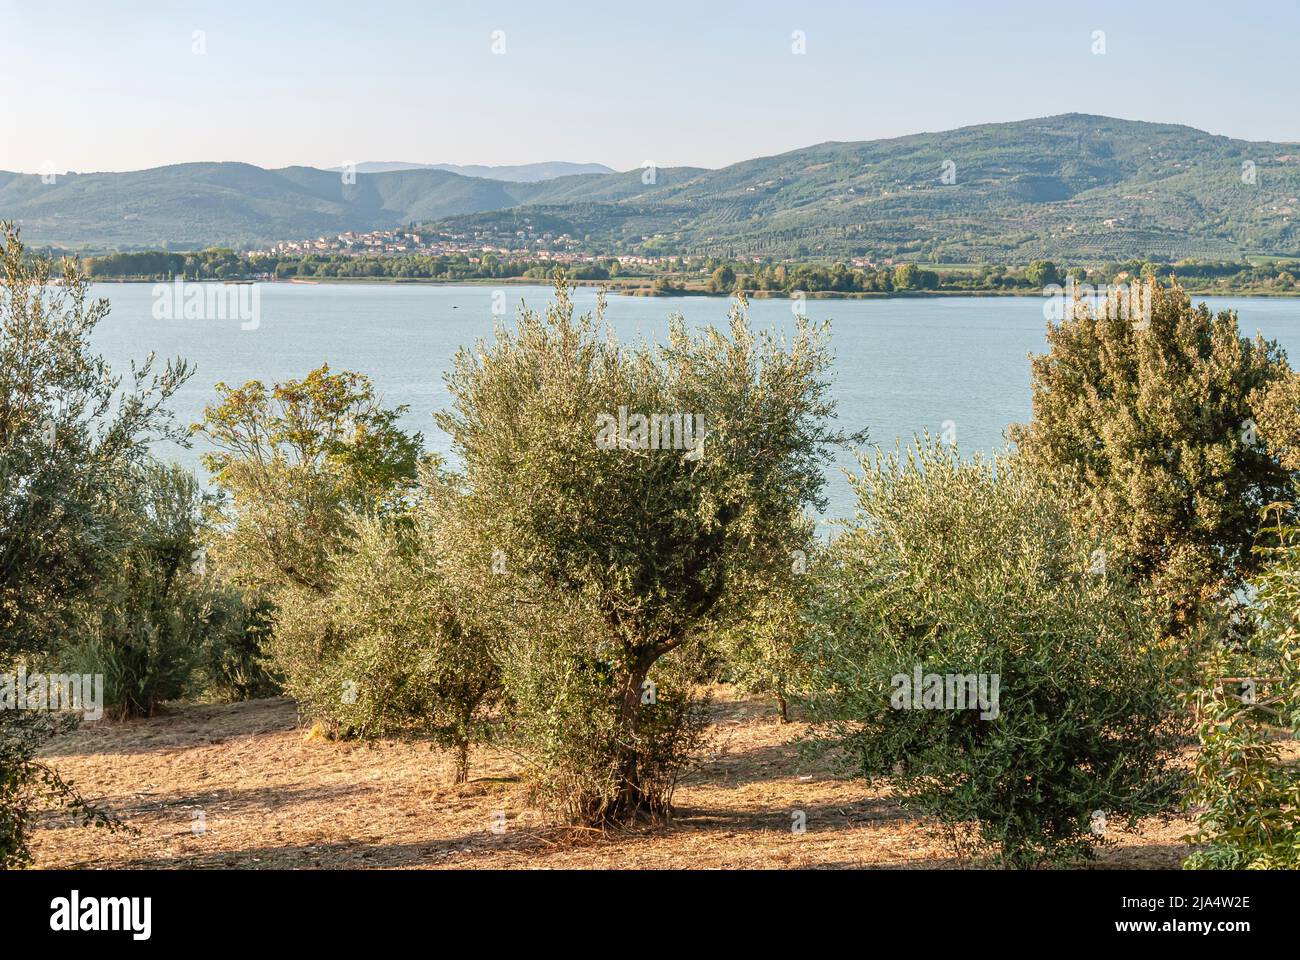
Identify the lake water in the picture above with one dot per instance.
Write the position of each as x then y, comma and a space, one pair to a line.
902, 366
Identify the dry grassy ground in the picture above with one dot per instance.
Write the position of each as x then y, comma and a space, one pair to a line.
271, 797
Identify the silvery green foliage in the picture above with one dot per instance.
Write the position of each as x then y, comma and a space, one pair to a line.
624, 557
972, 568
158, 618
396, 646
71, 431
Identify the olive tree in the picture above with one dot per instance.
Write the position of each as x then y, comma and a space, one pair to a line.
155, 617
616, 496
71, 430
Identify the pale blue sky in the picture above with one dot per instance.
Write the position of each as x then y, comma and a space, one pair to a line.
114, 86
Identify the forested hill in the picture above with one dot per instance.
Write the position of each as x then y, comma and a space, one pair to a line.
1071, 188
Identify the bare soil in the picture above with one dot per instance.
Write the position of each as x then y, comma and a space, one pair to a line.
243, 786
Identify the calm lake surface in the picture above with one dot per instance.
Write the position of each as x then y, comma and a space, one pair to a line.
902, 366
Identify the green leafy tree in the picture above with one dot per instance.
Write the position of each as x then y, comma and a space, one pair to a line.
905, 276
291, 463
236, 665
908, 276
621, 550
723, 279
1042, 273
1152, 419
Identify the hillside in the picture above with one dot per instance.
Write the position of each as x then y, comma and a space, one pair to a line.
197, 205
1071, 187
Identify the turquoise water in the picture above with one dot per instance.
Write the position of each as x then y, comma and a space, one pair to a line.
902, 366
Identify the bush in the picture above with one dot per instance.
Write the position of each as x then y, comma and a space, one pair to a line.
236, 665
971, 568
147, 625
1248, 797
394, 647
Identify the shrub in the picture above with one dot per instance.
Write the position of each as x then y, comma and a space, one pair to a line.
1248, 797
147, 624
394, 648
971, 568
1152, 421
236, 664
627, 551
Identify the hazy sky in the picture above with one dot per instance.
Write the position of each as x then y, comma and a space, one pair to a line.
116, 86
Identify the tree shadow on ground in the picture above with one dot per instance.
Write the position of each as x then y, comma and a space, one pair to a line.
185, 727
339, 855
140, 808
817, 817
729, 767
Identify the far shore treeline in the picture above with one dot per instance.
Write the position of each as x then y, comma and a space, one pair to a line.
702, 275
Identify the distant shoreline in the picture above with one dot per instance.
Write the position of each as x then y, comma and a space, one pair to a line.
642, 291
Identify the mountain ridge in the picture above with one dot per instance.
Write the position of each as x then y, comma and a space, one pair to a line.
1071, 186
514, 173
